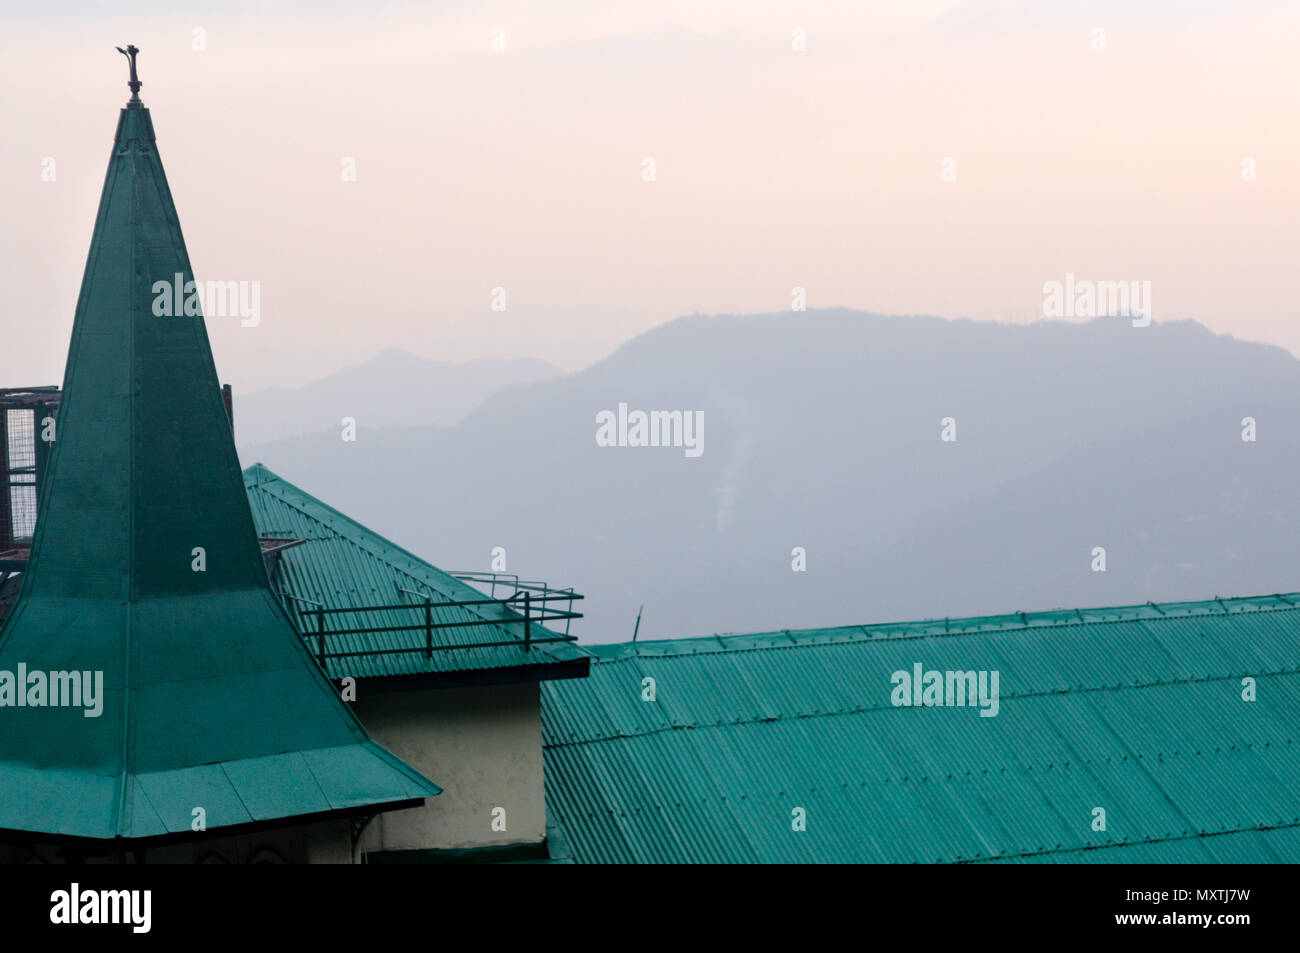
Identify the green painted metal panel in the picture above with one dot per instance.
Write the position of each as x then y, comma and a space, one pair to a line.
1275, 846
276, 786
209, 698
1137, 709
343, 564
166, 793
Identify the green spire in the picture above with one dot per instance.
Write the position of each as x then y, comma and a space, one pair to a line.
209, 699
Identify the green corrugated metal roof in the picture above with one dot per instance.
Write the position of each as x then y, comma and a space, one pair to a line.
342, 564
1280, 845
209, 698
1137, 710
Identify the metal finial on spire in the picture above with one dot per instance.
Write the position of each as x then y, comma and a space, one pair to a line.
135, 83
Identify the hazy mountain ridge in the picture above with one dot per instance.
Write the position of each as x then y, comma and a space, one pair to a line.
392, 389
822, 430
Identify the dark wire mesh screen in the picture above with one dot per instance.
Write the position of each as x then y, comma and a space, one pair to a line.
19, 476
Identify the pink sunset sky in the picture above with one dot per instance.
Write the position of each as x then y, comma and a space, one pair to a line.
775, 167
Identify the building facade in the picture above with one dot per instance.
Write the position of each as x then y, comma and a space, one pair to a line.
200, 664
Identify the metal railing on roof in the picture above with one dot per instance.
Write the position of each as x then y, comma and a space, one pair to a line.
493, 579
428, 626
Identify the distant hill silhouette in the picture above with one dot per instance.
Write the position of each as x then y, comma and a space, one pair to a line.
393, 389
823, 431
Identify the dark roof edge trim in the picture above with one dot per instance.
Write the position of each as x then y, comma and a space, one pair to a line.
545, 672
18, 838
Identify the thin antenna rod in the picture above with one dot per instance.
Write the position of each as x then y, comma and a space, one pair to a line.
638, 623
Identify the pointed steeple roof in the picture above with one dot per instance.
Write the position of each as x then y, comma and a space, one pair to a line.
209, 698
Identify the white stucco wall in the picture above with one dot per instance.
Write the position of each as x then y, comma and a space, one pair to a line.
482, 745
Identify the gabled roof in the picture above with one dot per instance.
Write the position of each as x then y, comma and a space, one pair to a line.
1138, 710
209, 698
342, 564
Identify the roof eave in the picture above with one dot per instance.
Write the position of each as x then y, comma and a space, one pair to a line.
102, 845
468, 678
